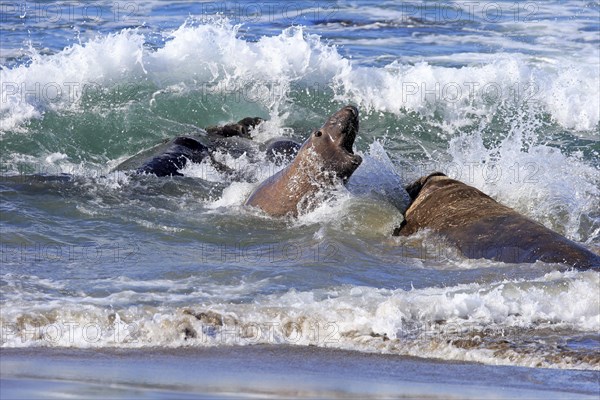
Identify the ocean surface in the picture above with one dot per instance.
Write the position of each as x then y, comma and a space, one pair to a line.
504, 96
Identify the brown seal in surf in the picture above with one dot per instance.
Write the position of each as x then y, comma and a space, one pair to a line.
480, 227
325, 158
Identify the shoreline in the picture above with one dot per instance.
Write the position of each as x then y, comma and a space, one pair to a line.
272, 371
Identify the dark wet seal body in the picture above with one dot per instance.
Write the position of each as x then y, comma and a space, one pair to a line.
166, 159
281, 150
175, 156
325, 158
483, 228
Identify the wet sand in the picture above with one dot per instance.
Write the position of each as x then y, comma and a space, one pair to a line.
272, 372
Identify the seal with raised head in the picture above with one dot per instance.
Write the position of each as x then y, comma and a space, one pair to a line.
480, 227
325, 158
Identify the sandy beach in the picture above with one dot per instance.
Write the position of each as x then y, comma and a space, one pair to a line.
272, 372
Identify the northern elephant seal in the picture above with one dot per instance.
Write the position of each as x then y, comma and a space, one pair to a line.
324, 158
166, 159
281, 150
480, 227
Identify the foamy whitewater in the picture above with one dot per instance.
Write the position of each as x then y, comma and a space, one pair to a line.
506, 99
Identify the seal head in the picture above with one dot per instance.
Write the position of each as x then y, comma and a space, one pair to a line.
335, 139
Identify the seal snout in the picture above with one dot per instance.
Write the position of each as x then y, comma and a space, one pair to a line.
353, 110
346, 122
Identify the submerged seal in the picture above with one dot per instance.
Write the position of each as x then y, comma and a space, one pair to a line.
281, 150
166, 159
325, 158
480, 227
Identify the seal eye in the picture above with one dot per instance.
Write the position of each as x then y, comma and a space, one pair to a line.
318, 133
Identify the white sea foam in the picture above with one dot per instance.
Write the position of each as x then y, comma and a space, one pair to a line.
233, 196
211, 57
56, 157
57, 82
422, 322
478, 89
204, 170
